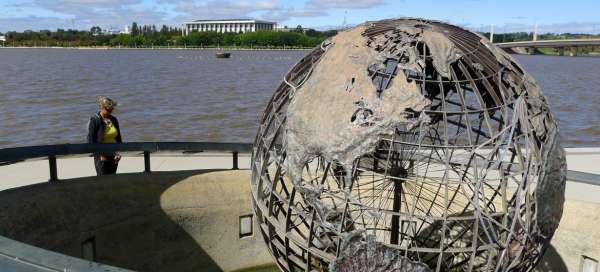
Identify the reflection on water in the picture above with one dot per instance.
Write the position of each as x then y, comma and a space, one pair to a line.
47, 95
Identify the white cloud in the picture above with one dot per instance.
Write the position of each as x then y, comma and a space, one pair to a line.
31, 22
268, 10
93, 2
341, 4
50, 14
220, 9
573, 27
83, 14
570, 27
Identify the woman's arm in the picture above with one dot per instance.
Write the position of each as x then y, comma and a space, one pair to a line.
92, 131
119, 139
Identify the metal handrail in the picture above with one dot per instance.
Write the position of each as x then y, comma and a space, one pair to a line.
583, 177
16, 154
31, 152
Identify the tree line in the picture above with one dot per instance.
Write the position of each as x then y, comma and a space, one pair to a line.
166, 36
528, 36
60, 37
147, 36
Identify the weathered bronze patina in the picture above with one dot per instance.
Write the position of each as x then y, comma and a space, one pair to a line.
408, 145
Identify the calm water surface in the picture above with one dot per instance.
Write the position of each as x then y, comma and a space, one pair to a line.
572, 85
48, 95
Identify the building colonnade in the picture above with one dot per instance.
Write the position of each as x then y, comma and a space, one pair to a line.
225, 27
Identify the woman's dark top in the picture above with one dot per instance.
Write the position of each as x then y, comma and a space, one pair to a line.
95, 136
96, 129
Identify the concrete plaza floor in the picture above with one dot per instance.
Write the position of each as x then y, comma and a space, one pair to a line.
576, 239
36, 171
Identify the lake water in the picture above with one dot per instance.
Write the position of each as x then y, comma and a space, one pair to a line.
48, 95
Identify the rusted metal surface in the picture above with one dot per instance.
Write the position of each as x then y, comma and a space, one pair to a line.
360, 253
416, 139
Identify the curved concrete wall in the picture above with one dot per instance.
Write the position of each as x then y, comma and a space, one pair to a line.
189, 221
165, 221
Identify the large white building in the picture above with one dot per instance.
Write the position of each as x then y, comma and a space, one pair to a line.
126, 30
229, 25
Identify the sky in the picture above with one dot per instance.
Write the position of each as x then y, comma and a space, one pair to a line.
558, 16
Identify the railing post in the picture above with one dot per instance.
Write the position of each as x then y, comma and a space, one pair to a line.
147, 162
53, 170
235, 160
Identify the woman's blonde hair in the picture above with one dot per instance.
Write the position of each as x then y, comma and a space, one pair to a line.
106, 102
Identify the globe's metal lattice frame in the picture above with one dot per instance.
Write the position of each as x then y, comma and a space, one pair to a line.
473, 188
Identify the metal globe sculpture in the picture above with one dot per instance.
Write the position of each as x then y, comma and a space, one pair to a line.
407, 145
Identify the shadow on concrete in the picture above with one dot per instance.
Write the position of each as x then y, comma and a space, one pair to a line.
144, 221
121, 214
430, 237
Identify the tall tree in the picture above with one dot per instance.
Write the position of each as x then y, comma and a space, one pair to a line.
164, 30
95, 30
134, 29
298, 29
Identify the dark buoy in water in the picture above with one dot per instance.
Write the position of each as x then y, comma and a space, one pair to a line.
223, 55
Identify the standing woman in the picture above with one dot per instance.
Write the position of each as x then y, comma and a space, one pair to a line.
103, 127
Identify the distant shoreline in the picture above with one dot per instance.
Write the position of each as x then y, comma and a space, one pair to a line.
158, 48
591, 54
